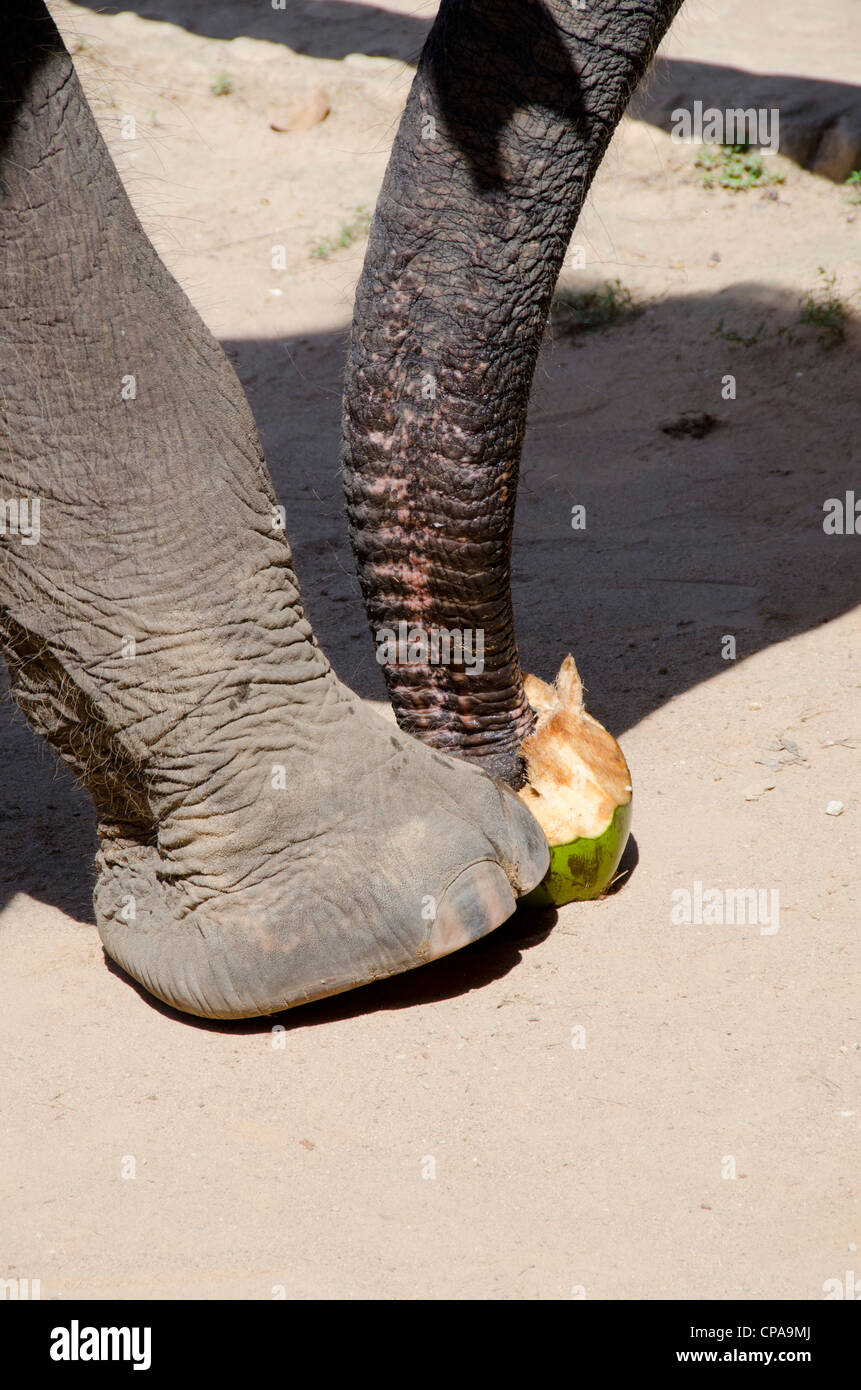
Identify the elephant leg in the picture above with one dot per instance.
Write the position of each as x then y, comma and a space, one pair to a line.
512, 108
264, 838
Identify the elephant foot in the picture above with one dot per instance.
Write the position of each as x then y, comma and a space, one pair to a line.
337, 852
578, 788
265, 839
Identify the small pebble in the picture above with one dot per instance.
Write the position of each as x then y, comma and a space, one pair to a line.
756, 790
303, 116
834, 808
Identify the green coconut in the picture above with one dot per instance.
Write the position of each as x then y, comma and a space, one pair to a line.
578, 788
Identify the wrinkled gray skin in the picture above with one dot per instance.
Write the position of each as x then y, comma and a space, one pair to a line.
264, 839
511, 111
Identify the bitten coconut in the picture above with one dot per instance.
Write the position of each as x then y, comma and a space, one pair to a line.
578, 788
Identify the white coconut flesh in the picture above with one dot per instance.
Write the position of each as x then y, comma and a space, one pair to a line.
576, 772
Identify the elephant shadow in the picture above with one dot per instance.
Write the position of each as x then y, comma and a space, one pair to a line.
702, 437
322, 29
703, 521
472, 967
660, 513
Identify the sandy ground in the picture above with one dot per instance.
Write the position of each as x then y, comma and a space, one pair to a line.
604, 1100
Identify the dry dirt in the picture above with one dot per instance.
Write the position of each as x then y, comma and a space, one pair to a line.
602, 1100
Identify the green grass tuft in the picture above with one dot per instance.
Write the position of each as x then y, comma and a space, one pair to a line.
591, 311
737, 167
349, 232
824, 310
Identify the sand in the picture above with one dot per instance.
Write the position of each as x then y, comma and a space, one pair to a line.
605, 1101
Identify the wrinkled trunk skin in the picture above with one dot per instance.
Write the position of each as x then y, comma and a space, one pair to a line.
512, 108
265, 839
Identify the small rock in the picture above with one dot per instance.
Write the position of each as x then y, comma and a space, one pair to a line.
691, 425
303, 115
834, 808
754, 704
795, 753
756, 790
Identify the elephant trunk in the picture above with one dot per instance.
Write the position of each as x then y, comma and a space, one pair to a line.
512, 108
